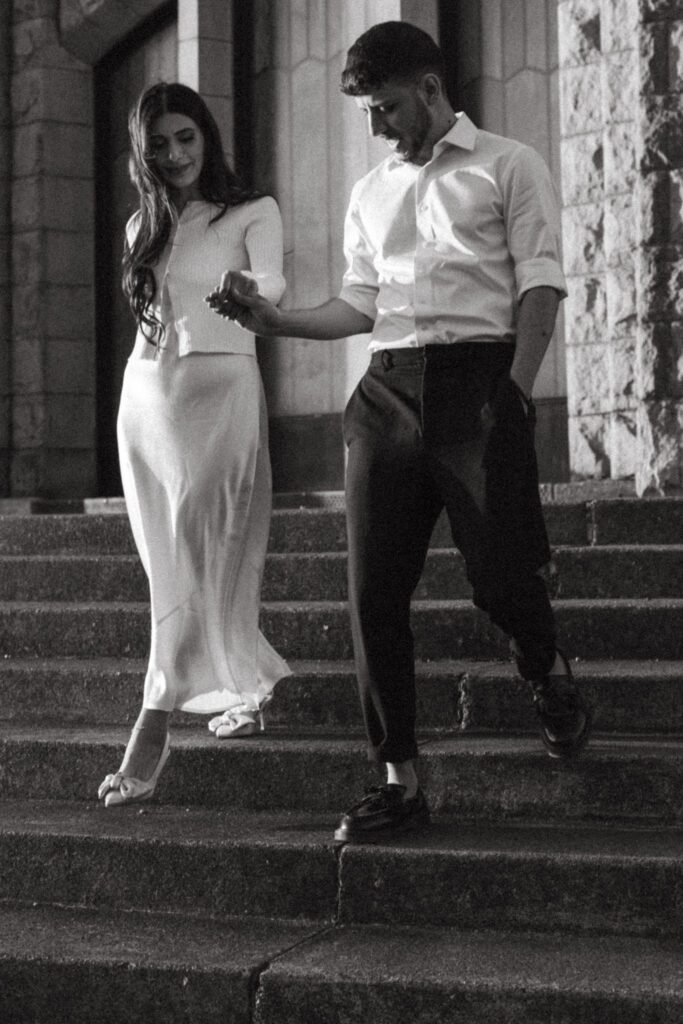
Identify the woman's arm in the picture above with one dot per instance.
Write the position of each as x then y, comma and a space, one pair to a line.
263, 241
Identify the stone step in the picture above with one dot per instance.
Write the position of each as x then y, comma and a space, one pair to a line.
454, 696
581, 572
466, 875
491, 777
357, 974
60, 965
617, 521
319, 630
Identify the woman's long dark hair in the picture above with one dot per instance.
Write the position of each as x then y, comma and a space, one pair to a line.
217, 183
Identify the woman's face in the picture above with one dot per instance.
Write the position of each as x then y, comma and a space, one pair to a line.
177, 147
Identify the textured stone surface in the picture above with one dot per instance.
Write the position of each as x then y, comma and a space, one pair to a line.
80, 966
385, 975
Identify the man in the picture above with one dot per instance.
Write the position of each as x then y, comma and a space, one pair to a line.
453, 265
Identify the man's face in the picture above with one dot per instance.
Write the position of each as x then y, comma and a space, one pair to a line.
399, 114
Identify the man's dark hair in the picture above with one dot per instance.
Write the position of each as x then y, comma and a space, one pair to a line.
392, 50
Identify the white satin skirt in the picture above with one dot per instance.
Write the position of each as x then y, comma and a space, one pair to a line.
193, 447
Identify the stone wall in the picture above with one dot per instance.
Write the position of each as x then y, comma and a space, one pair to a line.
5, 247
52, 260
621, 158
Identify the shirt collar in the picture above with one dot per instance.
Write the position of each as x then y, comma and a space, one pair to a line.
462, 134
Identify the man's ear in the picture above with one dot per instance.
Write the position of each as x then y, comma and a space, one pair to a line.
431, 87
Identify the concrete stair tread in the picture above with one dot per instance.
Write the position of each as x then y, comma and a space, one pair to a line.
341, 975
601, 747
449, 836
346, 959
336, 606
492, 669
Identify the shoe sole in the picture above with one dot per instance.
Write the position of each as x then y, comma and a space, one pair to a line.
414, 824
559, 753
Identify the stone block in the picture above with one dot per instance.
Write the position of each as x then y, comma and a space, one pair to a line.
70, 366
54, 473
661, 128
660, 361
27, 364
514, 42
28, 421
623, 445
68, 204
298, 31
52, 94
585, 310
69, 310
536, 35
588, 379
492, 102
70, 421
215, 68
582, 239
619, 27
579, 109
492, 40
29, 10
588, 443
36, 45
660, 447
582, 169
28, 257
91, 29
310, 150
655, 59
620, 227
620, 86
53, 149
661, 284
528, 91
26, 204
578, 32
620, 289
211, 19
653, 10
69, 257
272, 34
622, 373
661, 208
317, 29
620, 157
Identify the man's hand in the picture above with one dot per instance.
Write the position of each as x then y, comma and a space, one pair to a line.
237, 299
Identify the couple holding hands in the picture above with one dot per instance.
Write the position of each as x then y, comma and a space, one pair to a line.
453, 269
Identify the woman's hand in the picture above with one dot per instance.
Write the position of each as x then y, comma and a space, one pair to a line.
237, 298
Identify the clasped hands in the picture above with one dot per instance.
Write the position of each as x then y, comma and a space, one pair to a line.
231, 299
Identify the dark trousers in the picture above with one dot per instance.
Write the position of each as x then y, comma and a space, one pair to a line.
440, 426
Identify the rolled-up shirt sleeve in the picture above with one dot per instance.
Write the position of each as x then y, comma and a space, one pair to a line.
263, 240
532, 222
360, 284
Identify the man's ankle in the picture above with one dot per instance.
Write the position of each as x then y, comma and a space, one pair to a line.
403, 774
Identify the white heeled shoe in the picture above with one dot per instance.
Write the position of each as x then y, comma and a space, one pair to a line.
120, 789
239, 720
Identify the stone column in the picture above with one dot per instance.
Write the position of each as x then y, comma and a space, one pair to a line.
659, 196
622, 153
205, 59
52, 261
5, 247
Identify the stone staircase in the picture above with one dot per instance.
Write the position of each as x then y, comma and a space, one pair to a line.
546, 893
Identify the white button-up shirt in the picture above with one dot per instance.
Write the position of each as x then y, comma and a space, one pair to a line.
443, 253
247, 237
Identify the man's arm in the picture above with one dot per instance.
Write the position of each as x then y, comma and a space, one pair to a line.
238, 299
535, 325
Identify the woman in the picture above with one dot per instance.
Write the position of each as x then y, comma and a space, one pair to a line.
192, 432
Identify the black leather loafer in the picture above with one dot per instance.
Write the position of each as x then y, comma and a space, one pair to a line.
383, 811
563, 716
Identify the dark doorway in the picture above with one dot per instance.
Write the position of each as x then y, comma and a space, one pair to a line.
146, 56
